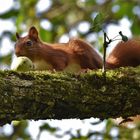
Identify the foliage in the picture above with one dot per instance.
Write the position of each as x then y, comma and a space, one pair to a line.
63, 17
111, 132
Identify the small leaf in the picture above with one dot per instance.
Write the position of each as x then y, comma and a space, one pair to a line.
109, 125
9, 14
47, 127
124, 38
135, 27
97, 24
45, 35
90, 2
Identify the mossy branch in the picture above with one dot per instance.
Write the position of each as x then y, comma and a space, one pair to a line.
44, 95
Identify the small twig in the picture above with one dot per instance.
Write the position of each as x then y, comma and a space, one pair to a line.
126, 121
104, 55
105, 45
107, 41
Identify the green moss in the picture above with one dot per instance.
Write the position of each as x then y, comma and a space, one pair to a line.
64, 95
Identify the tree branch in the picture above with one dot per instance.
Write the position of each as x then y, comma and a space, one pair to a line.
44, 95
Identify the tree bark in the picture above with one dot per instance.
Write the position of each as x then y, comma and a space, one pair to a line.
45, 95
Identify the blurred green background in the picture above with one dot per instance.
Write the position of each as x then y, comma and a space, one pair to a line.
57, 21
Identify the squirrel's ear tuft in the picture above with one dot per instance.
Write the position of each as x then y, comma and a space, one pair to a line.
17, 36
33, 33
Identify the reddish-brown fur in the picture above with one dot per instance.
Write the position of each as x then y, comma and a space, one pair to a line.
59, 55
124, 54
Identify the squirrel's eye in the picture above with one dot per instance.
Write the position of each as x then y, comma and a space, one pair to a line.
29, 43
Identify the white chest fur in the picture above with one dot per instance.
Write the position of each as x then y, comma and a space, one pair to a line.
73, 67
42, 65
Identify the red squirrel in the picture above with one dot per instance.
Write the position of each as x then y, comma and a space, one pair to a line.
74, 55
124, 54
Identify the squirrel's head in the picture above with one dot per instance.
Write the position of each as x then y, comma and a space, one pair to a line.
28, 45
